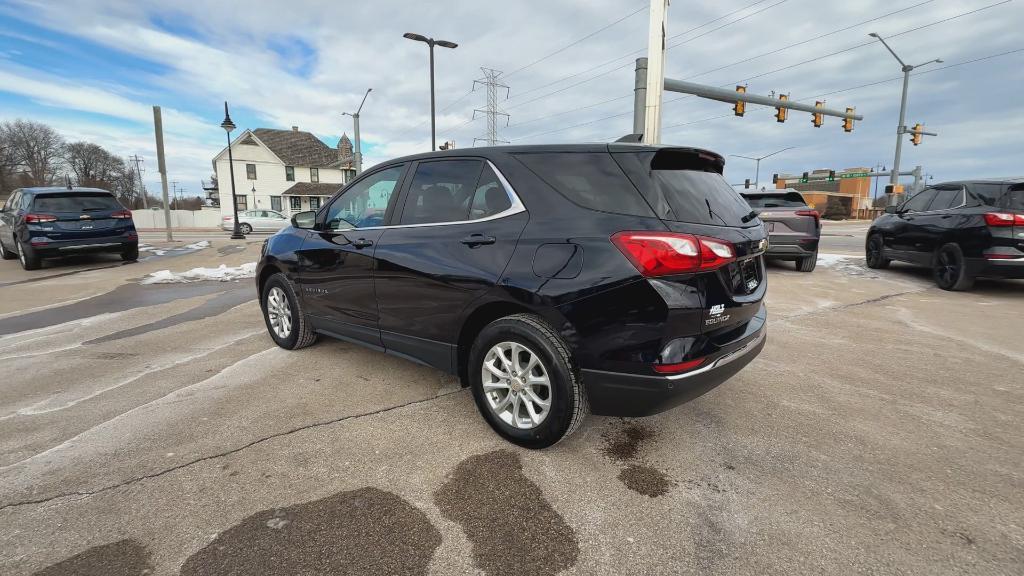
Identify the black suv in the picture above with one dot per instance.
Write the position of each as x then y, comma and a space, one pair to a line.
623, 278
37, 223
962, 230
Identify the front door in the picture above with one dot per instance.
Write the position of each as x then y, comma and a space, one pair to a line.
8, 218
458, 227
336, 261
904, 234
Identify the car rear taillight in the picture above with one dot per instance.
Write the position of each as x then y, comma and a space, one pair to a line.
122, 215
812, 213
664, 253
678, 367
39, 218
227, 218
1001, 219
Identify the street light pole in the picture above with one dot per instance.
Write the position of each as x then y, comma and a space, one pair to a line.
431, 42
355, 122
228, 126
757, 170
901, 129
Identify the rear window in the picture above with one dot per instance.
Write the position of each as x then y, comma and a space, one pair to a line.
787, 200
75, 202
686, 186
591, 180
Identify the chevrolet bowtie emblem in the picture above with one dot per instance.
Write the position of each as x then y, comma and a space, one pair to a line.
84, 217
762, 245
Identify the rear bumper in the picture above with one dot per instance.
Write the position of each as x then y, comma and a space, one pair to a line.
791, 247
622, 394
55, 248
1010, 268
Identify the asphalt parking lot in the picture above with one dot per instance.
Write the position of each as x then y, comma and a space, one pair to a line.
157, 427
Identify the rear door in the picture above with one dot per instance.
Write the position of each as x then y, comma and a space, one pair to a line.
80, 215
450, 242
931, 227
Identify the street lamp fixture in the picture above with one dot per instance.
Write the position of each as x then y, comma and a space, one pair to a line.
355, 121
901, 129
229, 126
431, 42
757, 171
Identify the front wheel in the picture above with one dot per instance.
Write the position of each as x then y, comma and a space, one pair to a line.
876, 253
950, 270
5, 253
524, 381
286, 322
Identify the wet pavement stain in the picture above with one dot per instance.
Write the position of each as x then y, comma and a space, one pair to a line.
122, 558
511, 526
219, 304
365, 531
230, 249
646, 480
624, 442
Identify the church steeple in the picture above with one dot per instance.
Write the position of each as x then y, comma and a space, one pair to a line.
344, 147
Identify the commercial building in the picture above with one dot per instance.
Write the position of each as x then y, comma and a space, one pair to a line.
843, 194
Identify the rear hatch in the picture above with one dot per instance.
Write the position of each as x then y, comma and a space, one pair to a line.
79, 215
784, 214
686, 189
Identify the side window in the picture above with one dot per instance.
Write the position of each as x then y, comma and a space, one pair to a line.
947, 198
921, 201
490, 197
365, 202
1015, 197
987, 193
441, 191
12, 202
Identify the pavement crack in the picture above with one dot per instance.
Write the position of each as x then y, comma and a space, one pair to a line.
830, 309
261, 440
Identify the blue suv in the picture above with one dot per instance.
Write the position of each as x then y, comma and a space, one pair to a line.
37, 223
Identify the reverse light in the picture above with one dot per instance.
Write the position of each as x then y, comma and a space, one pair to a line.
1002, 219
678, 367
664, 253
39, 218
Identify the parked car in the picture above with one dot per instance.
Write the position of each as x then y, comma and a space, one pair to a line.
794, 228
38, 223
258, 220
961, 230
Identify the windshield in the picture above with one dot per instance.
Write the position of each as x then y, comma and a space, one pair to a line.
787, 200
75, 202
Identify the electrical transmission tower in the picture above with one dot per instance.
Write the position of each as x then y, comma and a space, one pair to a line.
490, 80
142, 187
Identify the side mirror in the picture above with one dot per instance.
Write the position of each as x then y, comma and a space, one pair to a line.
891, 210
305, 220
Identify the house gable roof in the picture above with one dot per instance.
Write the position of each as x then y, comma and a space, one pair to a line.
296, 148
312, 189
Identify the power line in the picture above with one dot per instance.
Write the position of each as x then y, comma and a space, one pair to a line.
571, 44
630, 113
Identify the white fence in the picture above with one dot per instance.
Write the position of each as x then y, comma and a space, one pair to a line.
179, 218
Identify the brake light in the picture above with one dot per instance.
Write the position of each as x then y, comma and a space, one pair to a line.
39, 218
812, 213
122, 215
663, 253
227, 218
1001, 219
678, 367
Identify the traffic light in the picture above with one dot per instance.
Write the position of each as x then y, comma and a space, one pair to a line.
831, 175
916, 134
782, 113
746, 183
775, 178
819, 119
848, 122
740, 106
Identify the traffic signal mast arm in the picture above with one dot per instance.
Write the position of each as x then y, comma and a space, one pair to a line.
733, 96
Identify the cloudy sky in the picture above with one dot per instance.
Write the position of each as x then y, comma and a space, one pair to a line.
94, 68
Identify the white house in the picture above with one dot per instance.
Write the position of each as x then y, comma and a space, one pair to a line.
284, 170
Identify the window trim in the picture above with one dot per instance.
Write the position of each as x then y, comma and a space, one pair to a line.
289, 173
516, 208
254, 175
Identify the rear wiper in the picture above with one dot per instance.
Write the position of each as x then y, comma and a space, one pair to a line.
749, 217
93, 209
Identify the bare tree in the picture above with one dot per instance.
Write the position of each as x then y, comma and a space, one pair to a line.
8, 162
38, 150
91, 164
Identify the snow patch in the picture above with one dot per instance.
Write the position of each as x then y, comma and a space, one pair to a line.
198, 245
222, 273
852, 265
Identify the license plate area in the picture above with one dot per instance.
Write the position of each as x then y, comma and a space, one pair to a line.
749, 277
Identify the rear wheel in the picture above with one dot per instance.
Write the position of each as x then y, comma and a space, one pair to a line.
245, 228
28, 257
5, 253
524, 381
130, 254
286, 322
876, 253
807, 263
950, 270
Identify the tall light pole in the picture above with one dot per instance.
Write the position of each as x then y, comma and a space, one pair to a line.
228, 126
431, 42
902, 128
355, 121
757, 171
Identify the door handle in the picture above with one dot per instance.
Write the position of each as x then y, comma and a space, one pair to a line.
362, 243
474, 240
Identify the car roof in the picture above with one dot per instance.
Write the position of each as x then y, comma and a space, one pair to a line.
492, 151
39, 190
1005, 180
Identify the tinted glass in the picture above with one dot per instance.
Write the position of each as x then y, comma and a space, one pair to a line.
490, 197
591, 180
75, 202
787, 200
366, 202
921, 201
1015, 197
441, 191
988, 194
947, 198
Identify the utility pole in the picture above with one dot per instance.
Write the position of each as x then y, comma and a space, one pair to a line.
159, 128
878, 167
174, 194
490, 80
355, 120
142, 187
655, 72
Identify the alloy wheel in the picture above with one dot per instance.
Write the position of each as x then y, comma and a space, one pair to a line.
948, 269
21, 253
516, 385
874, 251
279, 312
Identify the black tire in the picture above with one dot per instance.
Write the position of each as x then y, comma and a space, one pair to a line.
28, 257
245, 228
7, 254
130, 254
807, 263
875, 253
949, 269
568, 402
301, 333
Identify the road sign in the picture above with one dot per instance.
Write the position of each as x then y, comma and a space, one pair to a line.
855, 175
